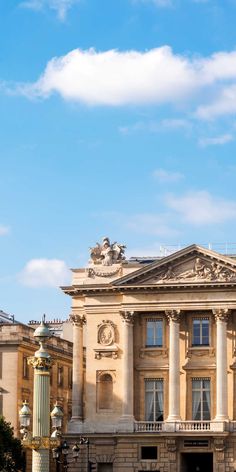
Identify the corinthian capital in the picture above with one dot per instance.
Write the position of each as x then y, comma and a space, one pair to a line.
173, 315
77, 319
128, 316
221, 314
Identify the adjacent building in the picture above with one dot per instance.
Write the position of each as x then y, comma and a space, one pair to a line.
16, 376
157, 389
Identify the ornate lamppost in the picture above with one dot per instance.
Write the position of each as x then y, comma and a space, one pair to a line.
39, 440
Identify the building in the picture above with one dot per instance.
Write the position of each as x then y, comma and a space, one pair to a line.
158, 389
58, 327
16, 376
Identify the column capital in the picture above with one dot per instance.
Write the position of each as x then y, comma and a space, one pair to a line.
221, 314
127, 317
77, 320
173, 315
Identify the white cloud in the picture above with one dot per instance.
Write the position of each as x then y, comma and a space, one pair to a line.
4, 230
216, 141
157, 76
44, 273
165, 176
61, 7
201, 208
224, 104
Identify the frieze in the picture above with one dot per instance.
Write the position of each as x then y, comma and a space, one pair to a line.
104, 271
200, 271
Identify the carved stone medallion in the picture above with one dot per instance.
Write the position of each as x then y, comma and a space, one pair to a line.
106, 333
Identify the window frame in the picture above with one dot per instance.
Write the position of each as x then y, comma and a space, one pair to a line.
155, 391
154, 319
202, 390
200, 319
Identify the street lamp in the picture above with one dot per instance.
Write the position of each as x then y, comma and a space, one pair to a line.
39, 440
63, 451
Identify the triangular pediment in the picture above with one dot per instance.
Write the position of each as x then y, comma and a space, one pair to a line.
192, 265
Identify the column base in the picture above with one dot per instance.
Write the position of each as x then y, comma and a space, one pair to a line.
221, 418
75, 425
173, 418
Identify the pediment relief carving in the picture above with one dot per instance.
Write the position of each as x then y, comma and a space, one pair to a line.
196, 270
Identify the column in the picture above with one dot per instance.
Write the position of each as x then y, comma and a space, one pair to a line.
77, 376
42, 364
221, 317
128, 366
174, 370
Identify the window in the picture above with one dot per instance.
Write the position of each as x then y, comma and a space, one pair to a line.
70, 378
0, 365
201, 402
105, 392
154, 400
149, 452
154, 332
25, 368
200, 332
1, 403
60, 376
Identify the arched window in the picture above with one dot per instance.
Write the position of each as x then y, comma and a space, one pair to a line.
105, 392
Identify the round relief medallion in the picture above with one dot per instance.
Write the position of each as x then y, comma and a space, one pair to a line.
106, 334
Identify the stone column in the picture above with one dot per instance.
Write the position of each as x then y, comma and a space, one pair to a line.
78, 376
174, 369
128, 369
221, 317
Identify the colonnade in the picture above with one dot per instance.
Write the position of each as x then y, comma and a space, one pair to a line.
173, 316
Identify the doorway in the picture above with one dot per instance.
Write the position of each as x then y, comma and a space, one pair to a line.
197, 462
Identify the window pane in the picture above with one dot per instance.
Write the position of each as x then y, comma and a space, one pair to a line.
154, 400
154, 333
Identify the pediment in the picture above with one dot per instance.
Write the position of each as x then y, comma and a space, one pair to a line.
192, 265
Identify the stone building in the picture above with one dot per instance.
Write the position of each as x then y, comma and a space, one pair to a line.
158, 390
16, 376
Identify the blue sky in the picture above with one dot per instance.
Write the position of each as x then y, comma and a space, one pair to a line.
117, 119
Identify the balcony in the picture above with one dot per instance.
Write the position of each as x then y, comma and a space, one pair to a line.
192, 427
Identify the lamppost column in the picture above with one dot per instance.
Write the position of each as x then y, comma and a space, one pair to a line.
221, 317
77, 387
41, 363
174, 371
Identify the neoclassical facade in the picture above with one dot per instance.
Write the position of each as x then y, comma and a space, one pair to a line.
154, 361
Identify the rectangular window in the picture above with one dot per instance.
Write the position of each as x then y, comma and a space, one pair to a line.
200, 332
70, 378
149, 453
1, 404
25, 368
154, 333
60, 376
201, 399
154, 400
